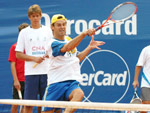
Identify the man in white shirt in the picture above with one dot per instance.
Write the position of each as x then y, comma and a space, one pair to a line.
33, 40
64, 72
143, 62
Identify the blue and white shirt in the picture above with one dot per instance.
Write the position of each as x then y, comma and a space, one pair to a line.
63, 66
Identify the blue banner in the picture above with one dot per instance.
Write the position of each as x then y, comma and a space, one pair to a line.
108, 73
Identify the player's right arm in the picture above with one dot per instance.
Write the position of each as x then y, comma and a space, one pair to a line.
136, 76
76, 41
139, 66
14, 74
12, 59
22, 56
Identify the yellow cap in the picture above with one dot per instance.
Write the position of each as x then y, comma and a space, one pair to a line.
57, 17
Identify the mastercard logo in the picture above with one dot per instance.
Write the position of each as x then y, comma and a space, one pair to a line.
106, 77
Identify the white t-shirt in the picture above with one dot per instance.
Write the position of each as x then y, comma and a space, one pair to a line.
34, 42
144, 61
63, 66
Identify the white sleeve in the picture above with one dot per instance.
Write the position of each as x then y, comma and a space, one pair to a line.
142, 58
20, 42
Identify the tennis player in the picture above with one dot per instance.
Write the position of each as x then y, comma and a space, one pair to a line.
33, 40
17, 70
64, 72
143, 62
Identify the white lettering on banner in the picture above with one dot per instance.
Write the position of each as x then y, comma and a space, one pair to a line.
118, 26
69, 23
133, 24
108, 79
105, 77
97, 23
47, 19
80, 24
130, 26
108, 30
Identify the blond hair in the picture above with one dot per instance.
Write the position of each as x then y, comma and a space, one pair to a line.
34, 9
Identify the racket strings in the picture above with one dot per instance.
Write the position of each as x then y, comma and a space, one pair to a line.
136, 101
123, 12
135, 98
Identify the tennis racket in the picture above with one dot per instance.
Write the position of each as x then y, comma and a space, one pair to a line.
135, 99
120, 13
35, 65
20, 97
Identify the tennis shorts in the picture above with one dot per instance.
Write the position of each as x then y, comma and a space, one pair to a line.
59, 91
35, 86
145, 94
15, 92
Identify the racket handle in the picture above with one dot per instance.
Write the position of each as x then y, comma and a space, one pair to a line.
135, 89
20, 110
35, 65
20, 95
98, 28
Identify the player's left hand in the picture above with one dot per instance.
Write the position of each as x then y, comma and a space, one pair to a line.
94, 44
